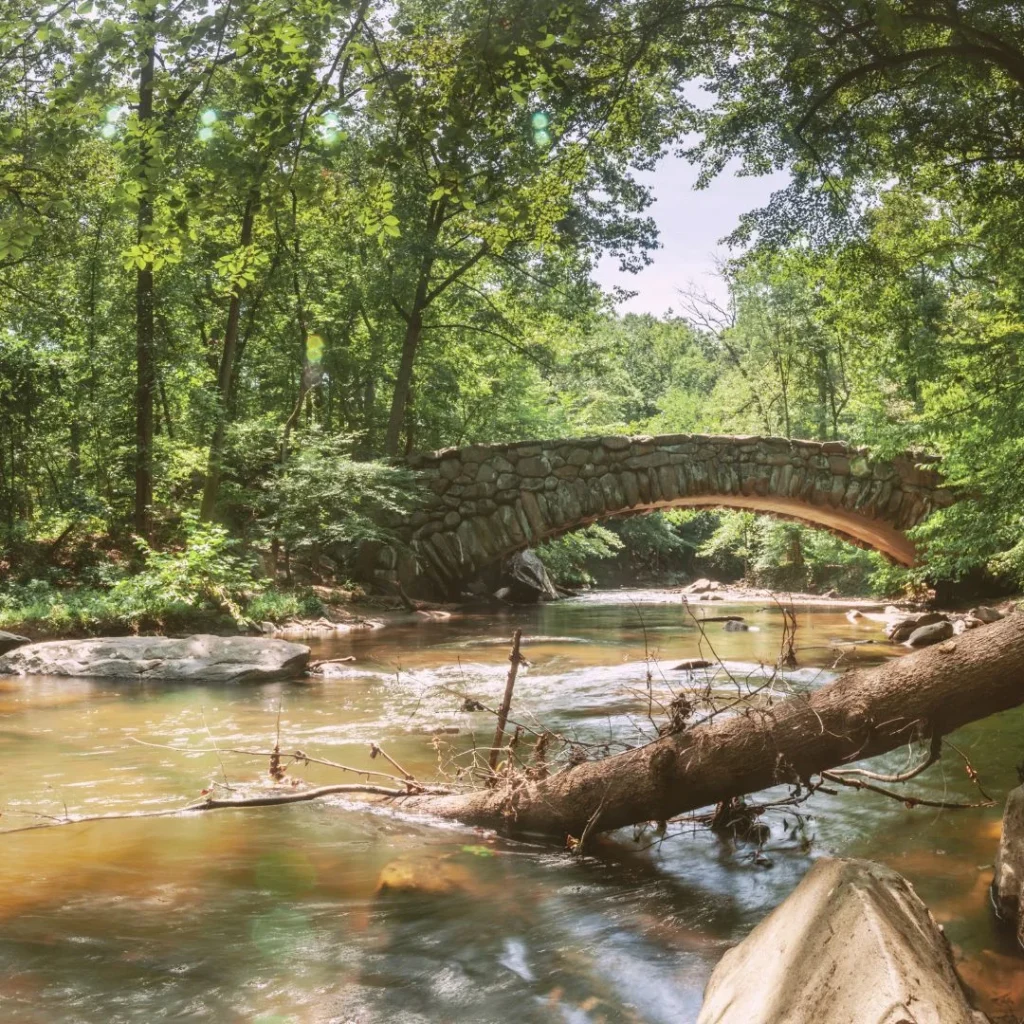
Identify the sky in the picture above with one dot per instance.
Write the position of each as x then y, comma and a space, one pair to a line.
691, 225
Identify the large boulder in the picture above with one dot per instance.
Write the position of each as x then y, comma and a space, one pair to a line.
1009, 874
853, 944
933, 633
8, 641
899, 631
527, 579
207, 659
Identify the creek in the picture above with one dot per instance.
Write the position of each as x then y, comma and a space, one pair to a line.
275, 915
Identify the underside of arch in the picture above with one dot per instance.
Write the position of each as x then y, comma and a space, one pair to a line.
858, 530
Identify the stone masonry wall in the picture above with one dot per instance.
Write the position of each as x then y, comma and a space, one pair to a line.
485, 501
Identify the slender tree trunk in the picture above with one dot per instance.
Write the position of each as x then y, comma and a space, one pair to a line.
225, 377
864, 713
403, 382
413, 332
425, 295
308, 371
75, 450
145, 356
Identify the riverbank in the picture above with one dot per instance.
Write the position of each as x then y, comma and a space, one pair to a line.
43, 612
728, 593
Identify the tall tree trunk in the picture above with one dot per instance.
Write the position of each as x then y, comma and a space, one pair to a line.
226, 377
308, 371
423, 298
864, 713
145, 356
413, 331
400, 398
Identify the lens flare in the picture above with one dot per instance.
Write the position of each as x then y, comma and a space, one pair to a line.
205, 134
540, 120
542, 138
208, 117
314, 348
114, 115
108, 131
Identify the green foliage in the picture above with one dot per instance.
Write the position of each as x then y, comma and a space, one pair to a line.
276, 605
340, 215
660, 542
324, 502
41, 606
786, 556
368, 229
566, 557
203, 573
734, 535
40, 603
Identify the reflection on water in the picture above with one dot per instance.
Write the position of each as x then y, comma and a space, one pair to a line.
320, 912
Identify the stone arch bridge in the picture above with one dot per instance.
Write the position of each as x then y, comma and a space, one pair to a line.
484, 502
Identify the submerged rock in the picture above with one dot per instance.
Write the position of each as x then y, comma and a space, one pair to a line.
933, 633
1009, 873
200, 658
732, 626
8, 641
853, 944
692, 664
425, 876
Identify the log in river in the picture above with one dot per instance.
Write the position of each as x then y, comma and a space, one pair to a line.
863, 713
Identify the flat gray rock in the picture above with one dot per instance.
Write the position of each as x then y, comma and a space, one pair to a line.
900, 630
933, 633
853, 944
200, 658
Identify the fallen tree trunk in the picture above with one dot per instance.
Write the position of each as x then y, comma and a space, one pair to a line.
863, 713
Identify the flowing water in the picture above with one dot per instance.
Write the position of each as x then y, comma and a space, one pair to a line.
279, 915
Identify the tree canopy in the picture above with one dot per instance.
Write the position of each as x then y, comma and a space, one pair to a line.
242, 246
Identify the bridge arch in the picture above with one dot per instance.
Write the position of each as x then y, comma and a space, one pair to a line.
484, 502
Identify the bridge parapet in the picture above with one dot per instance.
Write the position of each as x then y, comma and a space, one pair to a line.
484, 502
